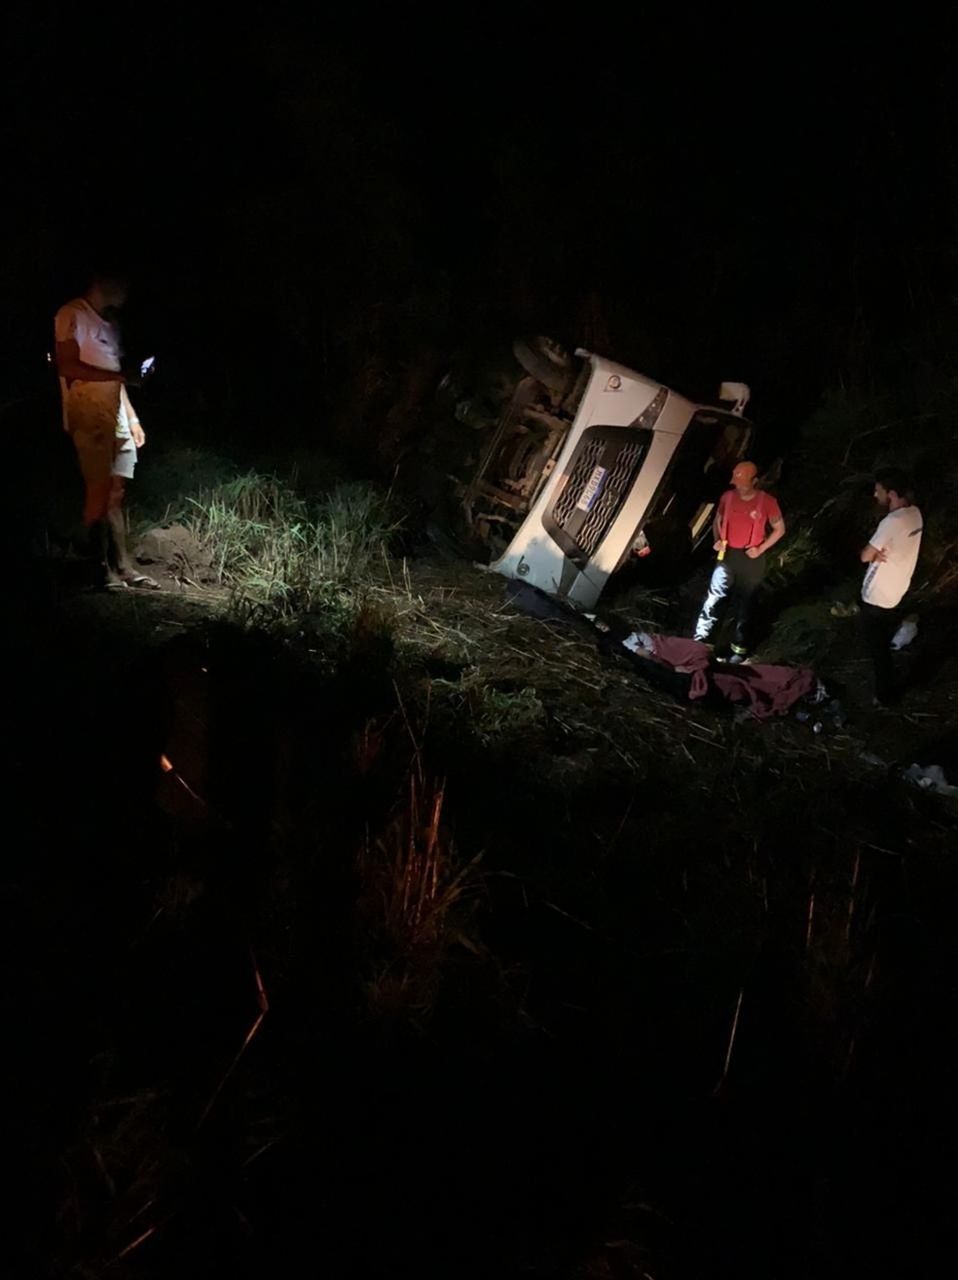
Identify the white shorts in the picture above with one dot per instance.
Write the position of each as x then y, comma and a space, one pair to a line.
124, 460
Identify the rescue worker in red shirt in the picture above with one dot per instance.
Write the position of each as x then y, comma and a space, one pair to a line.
748, 522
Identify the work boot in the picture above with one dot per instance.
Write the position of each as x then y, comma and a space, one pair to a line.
99, 545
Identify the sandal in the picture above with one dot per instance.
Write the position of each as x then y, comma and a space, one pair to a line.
141, 581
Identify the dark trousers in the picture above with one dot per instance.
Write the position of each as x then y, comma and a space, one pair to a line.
735, 578
879, 626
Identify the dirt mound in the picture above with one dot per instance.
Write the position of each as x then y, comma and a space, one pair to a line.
174, 552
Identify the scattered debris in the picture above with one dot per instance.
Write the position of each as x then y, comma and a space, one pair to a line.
833, 709
902, 637
639, 641
869, 757
905, 633
930, 777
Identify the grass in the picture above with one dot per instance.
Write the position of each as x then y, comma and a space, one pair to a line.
495, 713
415, 903
282, 554
319, 568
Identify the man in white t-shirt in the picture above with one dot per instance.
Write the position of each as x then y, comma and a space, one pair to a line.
891, 556
100, 420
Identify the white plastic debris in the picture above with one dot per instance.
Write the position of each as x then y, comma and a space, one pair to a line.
930, 777
638, 641
819, 695
905, 633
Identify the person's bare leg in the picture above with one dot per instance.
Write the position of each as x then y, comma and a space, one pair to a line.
120, 564
123, 567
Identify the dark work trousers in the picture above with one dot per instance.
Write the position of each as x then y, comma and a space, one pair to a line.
879, 626
736, 578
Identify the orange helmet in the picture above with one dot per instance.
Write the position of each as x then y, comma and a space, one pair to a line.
744, 473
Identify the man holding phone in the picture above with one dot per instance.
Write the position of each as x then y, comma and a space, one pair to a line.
101, 420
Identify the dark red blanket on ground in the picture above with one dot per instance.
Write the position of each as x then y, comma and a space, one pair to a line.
766, 689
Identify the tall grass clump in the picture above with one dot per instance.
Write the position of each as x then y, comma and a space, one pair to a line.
416, 903
277, 550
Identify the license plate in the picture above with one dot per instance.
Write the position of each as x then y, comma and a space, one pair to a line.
592, 489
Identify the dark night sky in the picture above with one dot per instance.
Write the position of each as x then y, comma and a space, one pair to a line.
735, 195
